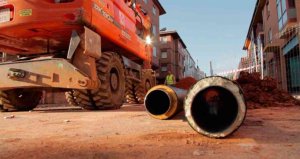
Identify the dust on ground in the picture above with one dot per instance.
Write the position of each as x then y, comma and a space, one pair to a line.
131, 133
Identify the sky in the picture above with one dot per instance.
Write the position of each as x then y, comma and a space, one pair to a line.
212, 30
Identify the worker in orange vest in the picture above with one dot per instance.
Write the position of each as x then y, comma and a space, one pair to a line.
170, 79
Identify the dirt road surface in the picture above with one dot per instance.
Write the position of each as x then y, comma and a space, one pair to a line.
131, 133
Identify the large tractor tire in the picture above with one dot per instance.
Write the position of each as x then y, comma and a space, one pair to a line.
131, 90
83, 98
110, 95
148, 81
19, 99
135, 92
71, 98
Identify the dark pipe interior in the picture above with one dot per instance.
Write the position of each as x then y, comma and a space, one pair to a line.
157, 102
214, 109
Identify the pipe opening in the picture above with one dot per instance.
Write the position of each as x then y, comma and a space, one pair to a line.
157, 102
214, 109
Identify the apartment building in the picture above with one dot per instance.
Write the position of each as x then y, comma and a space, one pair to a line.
190, 67
173, 51
176, 58
201, 74
244, 63
154, 9
272, 42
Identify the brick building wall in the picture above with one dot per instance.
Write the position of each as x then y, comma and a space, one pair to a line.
172, 56
280, 19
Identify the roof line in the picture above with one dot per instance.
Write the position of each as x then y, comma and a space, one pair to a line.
161, 8
174, 32
251, 23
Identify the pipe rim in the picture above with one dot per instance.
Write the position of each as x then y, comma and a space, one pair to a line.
172, 98
215, 82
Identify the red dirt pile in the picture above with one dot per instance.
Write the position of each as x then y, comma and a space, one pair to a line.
186, 83
263, 93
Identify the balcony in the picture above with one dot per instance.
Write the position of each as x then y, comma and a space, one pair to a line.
273, 47
287, 23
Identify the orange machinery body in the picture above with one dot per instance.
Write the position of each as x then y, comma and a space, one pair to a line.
45, 26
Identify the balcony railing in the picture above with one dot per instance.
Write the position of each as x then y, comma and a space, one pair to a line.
287, 20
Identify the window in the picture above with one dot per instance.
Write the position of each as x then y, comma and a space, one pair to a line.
291, 3
268, 9
154, 10
278, 9
283, 5
164, 68
164, 55
154, 30
282, 13
179, 46
182, 49
164, 39
270, 35
154, 51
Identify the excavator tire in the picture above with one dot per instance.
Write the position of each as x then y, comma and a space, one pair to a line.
82, 98
110, 95
148, 81
131, 89
71, 98
19, 99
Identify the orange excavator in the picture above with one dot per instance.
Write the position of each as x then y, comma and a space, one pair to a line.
98, 51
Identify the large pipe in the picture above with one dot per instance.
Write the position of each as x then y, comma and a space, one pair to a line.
215, 107
164, 102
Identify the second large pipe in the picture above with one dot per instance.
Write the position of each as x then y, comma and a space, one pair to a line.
164, 102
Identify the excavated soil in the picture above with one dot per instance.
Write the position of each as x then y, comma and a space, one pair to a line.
186, 83
130, 133
258, 93
263, 93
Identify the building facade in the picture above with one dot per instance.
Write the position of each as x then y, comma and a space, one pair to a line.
172, 55
272, 43
199, 74
190, 67
154, 10
176, 58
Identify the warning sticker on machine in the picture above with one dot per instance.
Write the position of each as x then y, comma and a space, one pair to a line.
25, 12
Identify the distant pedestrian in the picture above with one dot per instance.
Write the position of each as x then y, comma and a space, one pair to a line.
170, 79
